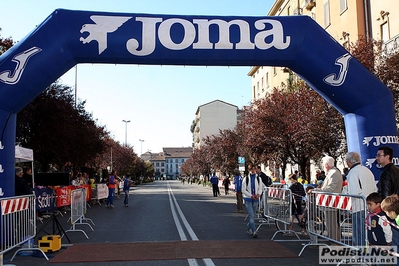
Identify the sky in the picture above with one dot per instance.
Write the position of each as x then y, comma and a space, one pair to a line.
159, 101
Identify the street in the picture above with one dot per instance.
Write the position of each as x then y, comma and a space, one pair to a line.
168, 212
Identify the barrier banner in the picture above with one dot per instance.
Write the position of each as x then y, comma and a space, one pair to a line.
44, 199
102, 191
63, 195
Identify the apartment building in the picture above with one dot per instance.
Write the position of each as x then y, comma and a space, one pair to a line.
344, 20
174, 158
168, 162
212, 117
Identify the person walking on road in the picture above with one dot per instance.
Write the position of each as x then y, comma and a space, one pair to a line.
251, 190
215, 182
226, 184
126, 189
237, 189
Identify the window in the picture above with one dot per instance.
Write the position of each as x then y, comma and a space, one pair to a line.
263, 85
162, 164
326, 9
257, 87
156, 164
343, 5
384, 32
267, 80
274, 71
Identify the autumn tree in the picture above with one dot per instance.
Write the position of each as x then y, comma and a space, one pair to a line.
293, 126
57, 131
381, 61
5, 44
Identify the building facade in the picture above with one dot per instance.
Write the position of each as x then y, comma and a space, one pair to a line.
212, 117
174, 158
345, 20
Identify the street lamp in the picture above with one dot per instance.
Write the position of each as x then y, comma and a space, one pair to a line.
126, 121
141, 151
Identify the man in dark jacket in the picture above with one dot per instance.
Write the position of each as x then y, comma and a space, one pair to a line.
266, 180
21, 186
389, 180
389, 177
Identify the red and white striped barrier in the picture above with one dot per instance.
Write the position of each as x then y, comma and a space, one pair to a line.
14, 205
334, 201
276, 193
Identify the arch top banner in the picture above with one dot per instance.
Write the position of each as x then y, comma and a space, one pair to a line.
68, 37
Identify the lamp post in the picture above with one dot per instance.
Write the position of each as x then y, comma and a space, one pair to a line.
141, 151
126, 121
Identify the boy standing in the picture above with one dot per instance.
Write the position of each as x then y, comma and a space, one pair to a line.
379, 231
390, 205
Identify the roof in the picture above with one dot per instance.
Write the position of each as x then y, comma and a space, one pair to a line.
183, 152
213, 102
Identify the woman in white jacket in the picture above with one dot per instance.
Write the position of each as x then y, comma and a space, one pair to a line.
252, 190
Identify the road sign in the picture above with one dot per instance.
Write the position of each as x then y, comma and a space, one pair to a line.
241, 159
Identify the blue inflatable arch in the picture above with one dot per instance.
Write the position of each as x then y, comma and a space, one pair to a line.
67, 38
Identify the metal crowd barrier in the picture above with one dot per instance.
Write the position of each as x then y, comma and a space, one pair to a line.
338, 218
277, 207
78, 208
18, 225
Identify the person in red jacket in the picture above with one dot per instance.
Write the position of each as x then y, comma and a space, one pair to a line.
111, 189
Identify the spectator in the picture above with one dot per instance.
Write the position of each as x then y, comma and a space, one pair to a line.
252, 190
390, 205
332, 183
111, 190
345, 173
297, 193
266, 180
27, 176
21, 186
388, 183
360, 183
389, 177
237, 189
379, 231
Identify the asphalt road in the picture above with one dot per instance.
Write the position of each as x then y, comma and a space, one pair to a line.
169, 211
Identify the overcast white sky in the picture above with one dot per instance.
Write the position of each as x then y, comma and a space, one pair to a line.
160, 101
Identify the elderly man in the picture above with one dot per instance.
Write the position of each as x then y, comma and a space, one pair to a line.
333, 184
361, 182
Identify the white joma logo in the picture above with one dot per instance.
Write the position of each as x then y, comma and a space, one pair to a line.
21, 60
196, 33
98, 32
343, 63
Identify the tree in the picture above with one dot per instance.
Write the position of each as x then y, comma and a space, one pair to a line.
57, 131
223, 151
5, 44
293, 125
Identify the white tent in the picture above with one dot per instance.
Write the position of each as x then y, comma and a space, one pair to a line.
23, 155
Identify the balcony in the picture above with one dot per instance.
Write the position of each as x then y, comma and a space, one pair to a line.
391, 47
